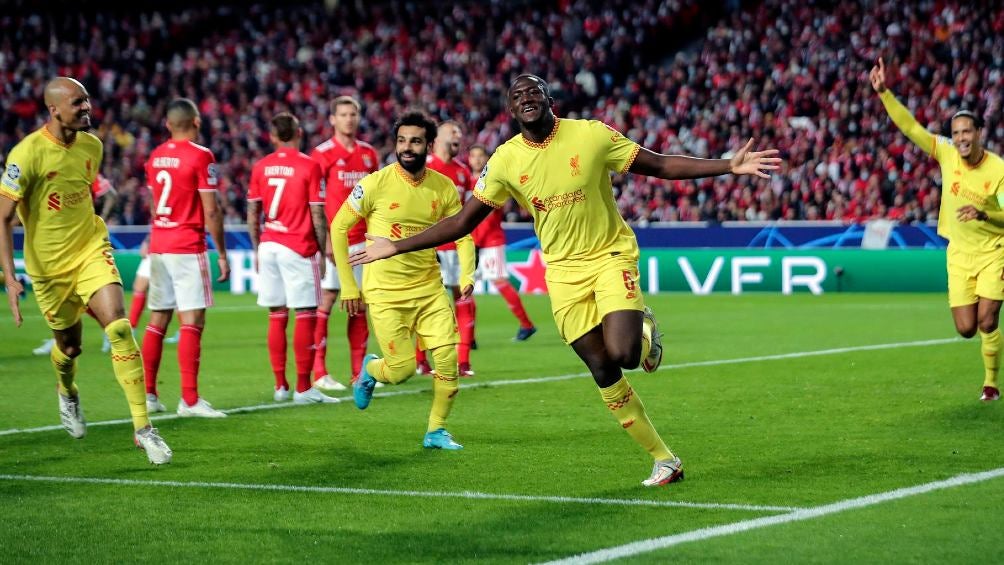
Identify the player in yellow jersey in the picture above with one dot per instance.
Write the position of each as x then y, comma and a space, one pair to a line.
405, 295
47, 181
559, 171
970, 219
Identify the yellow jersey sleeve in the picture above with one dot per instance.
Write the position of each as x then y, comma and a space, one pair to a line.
620, 151
492, 188
19, 173
344, 220
465, 245
909, 125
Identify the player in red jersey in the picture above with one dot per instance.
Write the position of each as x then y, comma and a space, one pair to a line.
182, 177
287, 252
344, 160
490, 241
443, 159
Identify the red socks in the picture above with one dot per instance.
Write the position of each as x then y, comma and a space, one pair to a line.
136, 309
277, 346
359, 334
465, 323
189, 355
320, 344
304, 333
153, 349
515, 304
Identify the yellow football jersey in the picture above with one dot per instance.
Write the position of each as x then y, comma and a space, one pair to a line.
982, 185
394, 206
51, 183
564, 183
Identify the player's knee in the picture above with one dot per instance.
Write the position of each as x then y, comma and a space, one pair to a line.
988, 324
625, 357
118, 331
71, 350
967, 331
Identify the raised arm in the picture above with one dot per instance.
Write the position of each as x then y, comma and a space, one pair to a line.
450, 229
900, 116
673, 167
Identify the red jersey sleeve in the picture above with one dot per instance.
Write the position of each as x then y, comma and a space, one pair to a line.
316, 182
208, 173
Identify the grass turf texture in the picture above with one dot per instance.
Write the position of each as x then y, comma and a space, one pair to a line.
796, 432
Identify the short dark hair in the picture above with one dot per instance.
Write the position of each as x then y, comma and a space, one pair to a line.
479, 147
181, 113
543, 84
420, 119
977, 121
285, 126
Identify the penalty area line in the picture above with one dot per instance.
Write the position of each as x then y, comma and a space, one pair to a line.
534, 380
470, 495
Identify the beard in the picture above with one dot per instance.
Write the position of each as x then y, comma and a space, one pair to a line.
416, 165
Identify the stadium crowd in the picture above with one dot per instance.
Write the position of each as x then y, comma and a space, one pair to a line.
716, 83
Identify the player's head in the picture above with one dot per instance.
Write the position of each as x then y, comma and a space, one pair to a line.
183, 118
68, 103
448, 138
414, 132
285, 130
477, 157
344, 116
529, 99
967, 130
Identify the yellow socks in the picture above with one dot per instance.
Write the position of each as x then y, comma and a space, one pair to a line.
66, 371
991, 349
646, 338
128, 367
622, 400
444, 385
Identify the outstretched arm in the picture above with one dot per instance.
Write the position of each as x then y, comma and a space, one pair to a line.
673, 167
900, 116
449, 229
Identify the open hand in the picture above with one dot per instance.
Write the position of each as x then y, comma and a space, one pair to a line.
381, 248
746, 162
877, 76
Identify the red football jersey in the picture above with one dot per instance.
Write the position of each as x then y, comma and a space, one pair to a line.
176, 172
462, 178
489, 232
100, 187
343, 169
287, 182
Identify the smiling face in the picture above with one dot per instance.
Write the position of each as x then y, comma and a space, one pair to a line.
69, 104
966, 136
411, 148
528, 101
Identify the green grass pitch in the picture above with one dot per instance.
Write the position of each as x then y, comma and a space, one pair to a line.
547, 473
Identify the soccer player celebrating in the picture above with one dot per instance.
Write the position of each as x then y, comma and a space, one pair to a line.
182, 177
68, 256
344, 161
489, 238
559, 171
970, 219
405, 295
287, 258
443, 159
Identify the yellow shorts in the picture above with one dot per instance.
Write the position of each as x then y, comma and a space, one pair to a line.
429, 318
63, 298
581, 298
972, 276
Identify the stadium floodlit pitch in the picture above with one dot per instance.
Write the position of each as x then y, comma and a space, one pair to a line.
814, 429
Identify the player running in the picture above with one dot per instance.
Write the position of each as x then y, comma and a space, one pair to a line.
287, 253
559, 171
182, 177
67, 254
970, 219
405, 295
344, 160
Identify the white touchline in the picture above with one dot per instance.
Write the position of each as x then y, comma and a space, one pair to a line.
534, 380
412, 493
649, 545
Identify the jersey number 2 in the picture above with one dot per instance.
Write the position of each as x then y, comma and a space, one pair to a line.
164, 178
